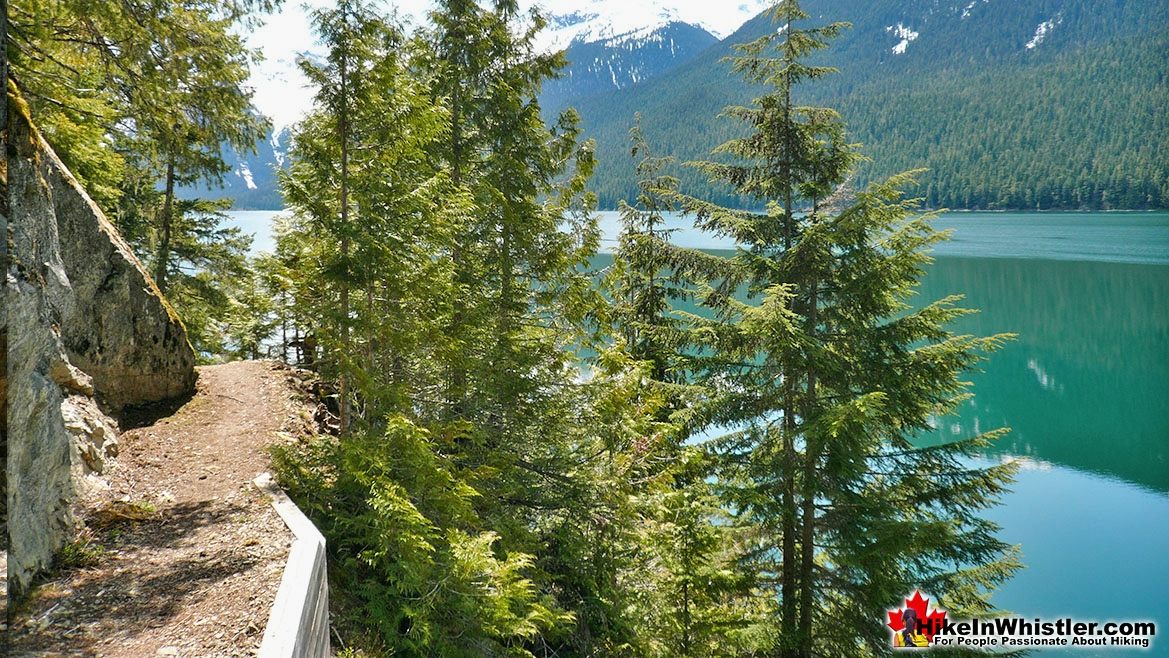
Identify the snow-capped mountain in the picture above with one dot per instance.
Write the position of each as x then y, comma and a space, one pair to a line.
620, 61
591, 21
251, 183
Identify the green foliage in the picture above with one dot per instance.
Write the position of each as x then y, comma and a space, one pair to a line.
212, 284
355, 270
406, 542
826, 376
399, 268
717, 609
643, 292
250, 317
520, 466
85, 551
138, 97
135, 84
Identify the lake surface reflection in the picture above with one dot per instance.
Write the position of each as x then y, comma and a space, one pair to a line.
1086, 383
1085, 389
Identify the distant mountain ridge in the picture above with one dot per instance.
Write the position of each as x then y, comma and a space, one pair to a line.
623, 60
593, 21
1028, 104
252, 183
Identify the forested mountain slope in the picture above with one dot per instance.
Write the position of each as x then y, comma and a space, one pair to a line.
1032, 104
251, 183
624, 60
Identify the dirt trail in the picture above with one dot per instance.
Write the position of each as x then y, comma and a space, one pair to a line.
186, 553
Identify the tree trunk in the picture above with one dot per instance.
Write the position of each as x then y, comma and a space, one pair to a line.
789, 581
343, 129
284, 325
370, 328
811, 459
789, 567
162, 254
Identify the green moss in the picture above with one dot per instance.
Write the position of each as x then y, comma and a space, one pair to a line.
20, 116
84, 552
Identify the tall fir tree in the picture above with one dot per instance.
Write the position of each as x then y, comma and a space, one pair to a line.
645, 292
829, 377
700, 606
519, 262
348, 179
190, 107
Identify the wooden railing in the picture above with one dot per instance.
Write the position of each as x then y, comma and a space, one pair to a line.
298, 626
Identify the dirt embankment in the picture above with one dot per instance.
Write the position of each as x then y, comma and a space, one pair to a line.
183, 555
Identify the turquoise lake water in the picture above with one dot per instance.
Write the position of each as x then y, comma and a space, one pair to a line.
256, 223
1085, 389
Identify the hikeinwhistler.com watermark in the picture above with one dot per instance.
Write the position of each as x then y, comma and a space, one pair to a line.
919, 626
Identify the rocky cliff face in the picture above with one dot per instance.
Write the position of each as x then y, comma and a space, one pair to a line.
87, 334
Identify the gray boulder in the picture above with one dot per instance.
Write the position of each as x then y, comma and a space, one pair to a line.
87, 334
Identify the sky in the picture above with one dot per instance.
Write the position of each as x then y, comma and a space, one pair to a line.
281, 91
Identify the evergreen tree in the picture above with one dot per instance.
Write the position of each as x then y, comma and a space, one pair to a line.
700, 605
140, 95
137, 85
361, 176
514, 260
706, 607
644, 291
429, 565
188, 108
351, 33
519, 262
208, 268
829, 377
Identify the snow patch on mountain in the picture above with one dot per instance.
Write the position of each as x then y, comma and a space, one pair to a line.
904, 33
626, 59
1043, 30
640, 38
276, 140
584, 21
246, 173
969, 9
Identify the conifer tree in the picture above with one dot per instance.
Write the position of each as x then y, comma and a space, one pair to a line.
644, 290
208, 269
396, 494
524, 178
360, 173
351, 33
700, 605
137, 85
138, 98
519, 261
459, 58
191, 106
829, 377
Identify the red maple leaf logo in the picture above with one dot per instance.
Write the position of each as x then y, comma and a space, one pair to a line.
930, 622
